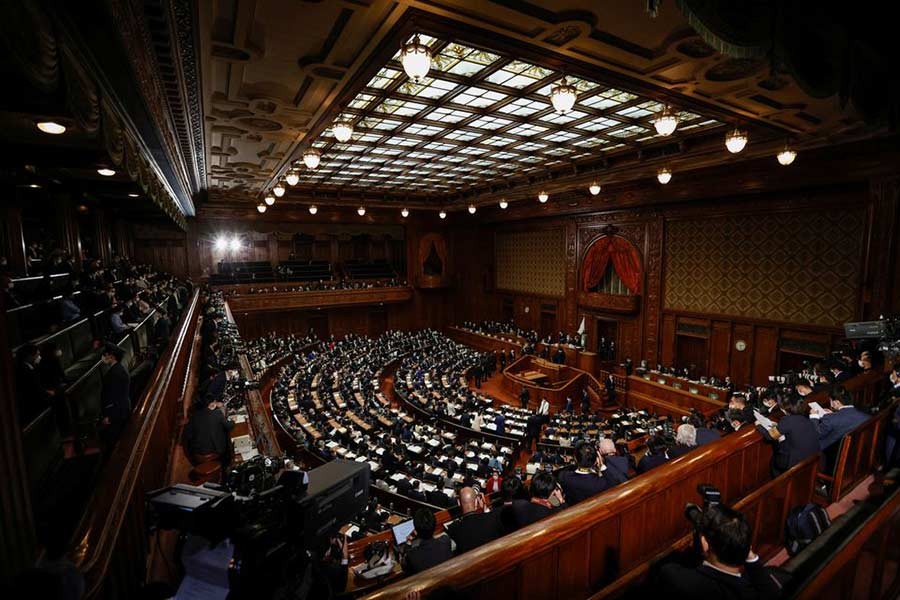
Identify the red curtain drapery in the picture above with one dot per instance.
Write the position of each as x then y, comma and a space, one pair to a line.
625, 260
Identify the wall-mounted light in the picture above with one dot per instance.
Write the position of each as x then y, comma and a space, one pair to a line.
503, 203
404, 213
51, 127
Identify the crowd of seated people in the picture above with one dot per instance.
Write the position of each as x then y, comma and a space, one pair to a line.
265, 351
324, 286
499, 328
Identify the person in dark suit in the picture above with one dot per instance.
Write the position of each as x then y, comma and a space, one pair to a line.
843, 418
892, 440
801, 440
685, 440
500, 424
416, 493
532, 429
617, 467
523, 397
584, 481
162, 329
115, 394
610, 386
31, 396
585, 401
560, 356
840, 372
730, 570
656, 454
207, 431
546, 498
475, 527
425, 550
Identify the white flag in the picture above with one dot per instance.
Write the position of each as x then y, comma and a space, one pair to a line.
581, 327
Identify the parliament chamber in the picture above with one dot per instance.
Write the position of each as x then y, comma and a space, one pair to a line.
406, 299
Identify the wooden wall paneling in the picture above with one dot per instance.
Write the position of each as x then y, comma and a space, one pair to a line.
720, 348
539, 576
765, 351
15, 239
574, 568
667, 340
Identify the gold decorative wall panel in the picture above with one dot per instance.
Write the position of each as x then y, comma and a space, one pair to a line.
796, 267
533, 262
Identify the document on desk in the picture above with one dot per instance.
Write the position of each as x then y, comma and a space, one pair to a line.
766, 423
816, 411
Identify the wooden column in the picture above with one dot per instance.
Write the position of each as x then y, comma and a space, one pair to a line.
66, 225
102, 236
880, 295
272, 239
17, 538
15, 239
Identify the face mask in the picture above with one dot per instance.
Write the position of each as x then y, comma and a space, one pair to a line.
861, 364
59, 353
37, 359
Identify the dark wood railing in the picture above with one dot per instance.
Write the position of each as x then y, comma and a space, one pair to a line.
594, 543
111, 544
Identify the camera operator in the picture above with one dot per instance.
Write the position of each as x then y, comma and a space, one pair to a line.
730, 569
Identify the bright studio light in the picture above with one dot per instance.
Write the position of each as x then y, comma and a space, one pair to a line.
342, 130
312, 158
416, 59
594, 188
563, 96
443, 214
786, 156
664, 175
292, 177
543, 196
736, 140
361, 211
235, 244
51, 127
221, 244
404, 213
261, 208
270, 200
504, 204
665, 122
472, 209
106, 172
278, 190
313, 209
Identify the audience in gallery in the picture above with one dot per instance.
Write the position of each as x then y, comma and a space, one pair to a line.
531, 337
323, 286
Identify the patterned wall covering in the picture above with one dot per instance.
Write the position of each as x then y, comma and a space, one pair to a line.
531, 261
797, 268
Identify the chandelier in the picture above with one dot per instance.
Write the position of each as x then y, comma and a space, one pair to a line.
664, 175
787, 155
562, 96
416, 59
503, 204
594, 188
736, 140
361, 211
404, 213
261, 207
665, 122
311, 158
278, 190
472, 209
292, 177
443, 214
270, 200
342, 130
313, 209
543, 196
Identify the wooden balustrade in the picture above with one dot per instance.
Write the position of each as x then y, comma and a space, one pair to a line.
667, 400
319, 298
590, 545
111, 544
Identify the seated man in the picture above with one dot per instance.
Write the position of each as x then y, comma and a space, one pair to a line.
207, 431
587, 479
546, 498
685, 440
656, 454
843, 418
425, 550
475, 527
616, 466
730, 569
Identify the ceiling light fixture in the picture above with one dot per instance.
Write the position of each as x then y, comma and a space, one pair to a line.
443, 214
278, 190
543, 196
563, 96
134, 195
361, 211
736, 140
221, 243
665, 122
312, 158
313, 209
270, 200
342, 130
503, 204
594, 188
416, 59
106, 172
261, 208
51, 127
292, 177
404, 213
787, 155
472, 209
664, 175
235, 244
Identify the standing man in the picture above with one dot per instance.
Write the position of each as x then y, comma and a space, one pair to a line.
115, 395
585, 401
523, 397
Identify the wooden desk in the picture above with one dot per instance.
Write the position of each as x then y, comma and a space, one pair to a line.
666, 400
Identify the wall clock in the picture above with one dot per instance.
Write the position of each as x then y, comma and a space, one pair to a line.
740, 345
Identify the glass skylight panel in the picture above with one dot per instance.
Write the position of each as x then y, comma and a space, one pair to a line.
572, 115
383, 78
498, 140
429, 87
395, 106
526, 130
599, 124
423, 130
462, 60
489, 123
386, 151
640, 110
358, 148
592, 142
559, 136
361, 101
529, 147
503, 155
558, 152
420, 154
461, 135
448, 115
473, 150
608, 98
439, 147
627, 132
530, 159
478, 97
402, 141
523, 107
518, 74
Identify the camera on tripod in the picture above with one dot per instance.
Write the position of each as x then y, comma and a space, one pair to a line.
711, 497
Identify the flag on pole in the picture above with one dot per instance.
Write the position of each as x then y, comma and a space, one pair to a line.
581, 327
